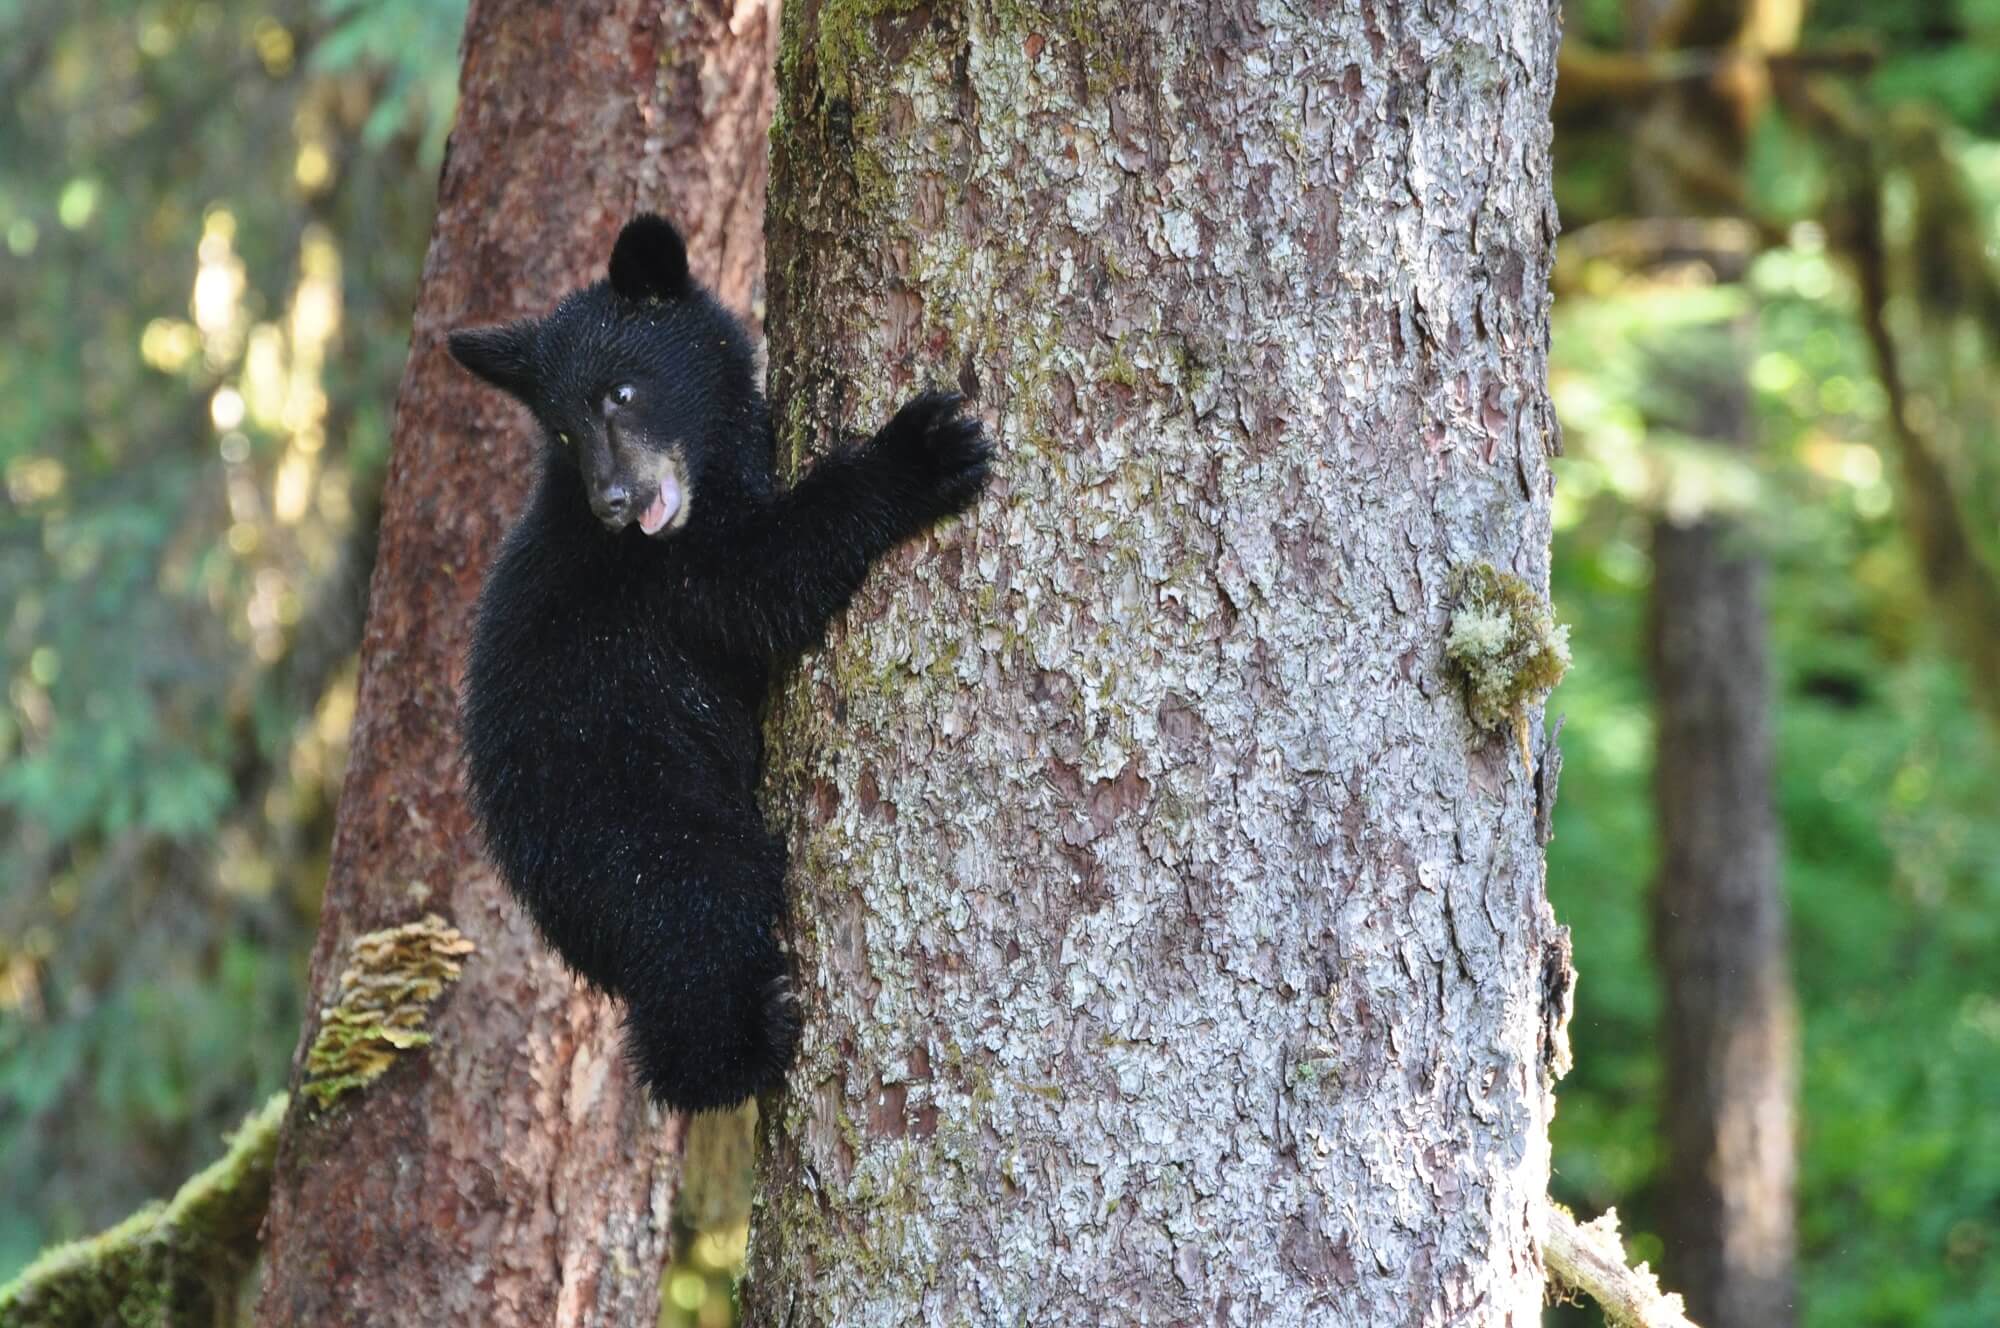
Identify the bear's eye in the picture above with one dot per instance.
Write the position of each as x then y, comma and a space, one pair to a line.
618, 397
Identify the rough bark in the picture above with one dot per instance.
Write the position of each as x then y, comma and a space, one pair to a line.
509, 1172
1728, 1024
1172, 946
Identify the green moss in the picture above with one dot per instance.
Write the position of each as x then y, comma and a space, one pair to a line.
797, 421
835, 83
393, 977
838, 37
1120, 369
1103, 48
946, 662
1310, 1074
1505, 648
850, 1133
170, 1263
874, 182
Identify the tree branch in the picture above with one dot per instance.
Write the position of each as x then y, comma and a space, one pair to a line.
1590, 1259
1588, 76
1724, 245
1959, 580
167, 1263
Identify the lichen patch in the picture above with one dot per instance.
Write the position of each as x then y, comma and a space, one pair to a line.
1506, 649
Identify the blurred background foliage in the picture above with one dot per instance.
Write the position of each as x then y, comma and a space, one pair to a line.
212, 217
1887, 153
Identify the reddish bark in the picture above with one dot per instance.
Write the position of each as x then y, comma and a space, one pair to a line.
509, 1173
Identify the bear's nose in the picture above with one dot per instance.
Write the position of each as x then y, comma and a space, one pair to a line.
614, 504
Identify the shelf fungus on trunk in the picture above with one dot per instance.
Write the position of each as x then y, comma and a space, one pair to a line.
392, 979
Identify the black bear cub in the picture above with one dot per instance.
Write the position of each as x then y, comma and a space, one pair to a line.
627, 635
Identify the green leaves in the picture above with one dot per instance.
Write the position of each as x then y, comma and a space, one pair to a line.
212, 218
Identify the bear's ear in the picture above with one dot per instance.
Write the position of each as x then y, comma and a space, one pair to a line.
650, 261
502, 355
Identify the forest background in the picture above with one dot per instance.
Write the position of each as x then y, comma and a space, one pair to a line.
212, 218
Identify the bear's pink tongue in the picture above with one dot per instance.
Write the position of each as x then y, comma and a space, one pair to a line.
665, 503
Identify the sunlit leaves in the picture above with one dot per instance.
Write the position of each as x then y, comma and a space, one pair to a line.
207, 270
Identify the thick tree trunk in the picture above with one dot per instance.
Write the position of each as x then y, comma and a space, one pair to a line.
1728, 1025
1173, 948
510, 1172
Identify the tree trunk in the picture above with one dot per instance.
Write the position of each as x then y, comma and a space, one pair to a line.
1172, 946
509, 1172
1728, 1022
1728, 1026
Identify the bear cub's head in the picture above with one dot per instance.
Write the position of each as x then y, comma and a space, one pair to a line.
642, 381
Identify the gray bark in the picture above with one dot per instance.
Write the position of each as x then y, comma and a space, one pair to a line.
1172, 947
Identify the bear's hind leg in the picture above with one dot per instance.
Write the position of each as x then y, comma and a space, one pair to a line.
710, 1015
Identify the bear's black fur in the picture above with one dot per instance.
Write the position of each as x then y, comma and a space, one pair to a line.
611, 708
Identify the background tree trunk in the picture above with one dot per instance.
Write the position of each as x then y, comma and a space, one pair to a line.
1173, 947
1728, 1023
1728, 1019
510, 1173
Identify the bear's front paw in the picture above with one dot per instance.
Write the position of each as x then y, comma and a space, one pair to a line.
940, 454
